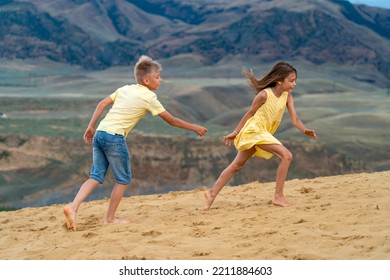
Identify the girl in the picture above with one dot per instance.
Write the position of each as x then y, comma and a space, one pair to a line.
253, 135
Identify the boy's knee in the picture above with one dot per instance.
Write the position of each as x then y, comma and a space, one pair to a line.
124, 180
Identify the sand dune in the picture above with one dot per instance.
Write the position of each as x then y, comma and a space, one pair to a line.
336, 218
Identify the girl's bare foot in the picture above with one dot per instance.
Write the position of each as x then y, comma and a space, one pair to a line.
280, 201
209, 200
70, 218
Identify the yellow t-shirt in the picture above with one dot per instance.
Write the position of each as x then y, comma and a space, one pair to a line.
131, 103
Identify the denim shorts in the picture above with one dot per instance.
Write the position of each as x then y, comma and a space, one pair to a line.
110, 150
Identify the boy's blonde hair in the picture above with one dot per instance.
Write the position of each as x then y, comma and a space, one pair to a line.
144, 67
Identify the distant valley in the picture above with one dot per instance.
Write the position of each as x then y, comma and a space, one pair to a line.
43, 159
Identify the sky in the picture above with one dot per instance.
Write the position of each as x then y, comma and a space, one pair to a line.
375, 3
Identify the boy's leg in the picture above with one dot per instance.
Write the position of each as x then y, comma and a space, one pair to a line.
71, 209
119, 157
285, 157
116, 196
239, 161
84, 192
97, 174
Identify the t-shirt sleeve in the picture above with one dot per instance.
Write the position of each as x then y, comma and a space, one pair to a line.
155, 107
114, 95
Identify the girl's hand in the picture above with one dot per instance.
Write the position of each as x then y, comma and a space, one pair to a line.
229, 139
310, 133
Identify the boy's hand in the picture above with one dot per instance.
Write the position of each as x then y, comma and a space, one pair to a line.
201, 131
310, 133
88, 135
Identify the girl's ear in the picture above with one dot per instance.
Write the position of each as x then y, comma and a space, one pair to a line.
279, 83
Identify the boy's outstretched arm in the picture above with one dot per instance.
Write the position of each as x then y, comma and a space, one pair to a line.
90, 131
166, 116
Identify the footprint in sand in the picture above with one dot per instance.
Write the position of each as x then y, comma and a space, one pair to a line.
306, 190
43, 228
133, 257
244, 245
89, 235
201, 223
152, 233
198, 233
200, 254
301, 221
325, 206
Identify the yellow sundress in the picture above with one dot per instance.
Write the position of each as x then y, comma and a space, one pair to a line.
259, 129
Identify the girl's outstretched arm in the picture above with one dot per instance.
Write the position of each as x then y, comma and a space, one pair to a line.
295, 119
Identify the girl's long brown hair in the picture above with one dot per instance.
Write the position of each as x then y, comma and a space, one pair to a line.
279, 72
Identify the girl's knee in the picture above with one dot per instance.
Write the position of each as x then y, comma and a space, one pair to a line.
237, 166
240, 160
287, 156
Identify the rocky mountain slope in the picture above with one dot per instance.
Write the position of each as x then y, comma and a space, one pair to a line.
98, 34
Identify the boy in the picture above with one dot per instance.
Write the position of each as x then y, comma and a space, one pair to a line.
129, 104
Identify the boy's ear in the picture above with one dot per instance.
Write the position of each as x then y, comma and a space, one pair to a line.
145, 81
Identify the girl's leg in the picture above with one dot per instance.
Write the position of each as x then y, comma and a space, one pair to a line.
116, 196
71, 209
240, 160
285, 157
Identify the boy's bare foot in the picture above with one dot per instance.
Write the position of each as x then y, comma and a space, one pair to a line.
280, 201
70, 218
116, 221
209, 200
